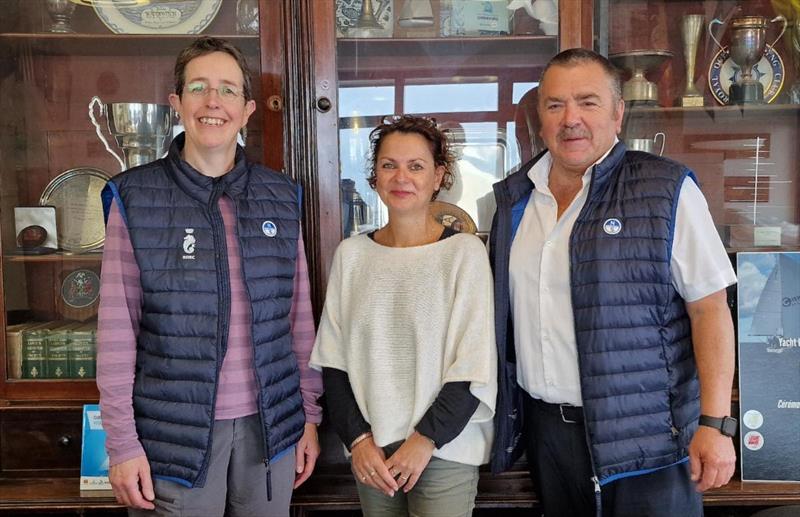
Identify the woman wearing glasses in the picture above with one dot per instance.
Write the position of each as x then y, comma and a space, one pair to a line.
205, 323
406, 341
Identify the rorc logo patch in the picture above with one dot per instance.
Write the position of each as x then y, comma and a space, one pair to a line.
269, 228
188, 244
612, 226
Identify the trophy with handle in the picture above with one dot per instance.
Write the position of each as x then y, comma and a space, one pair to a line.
142, 130
748, 43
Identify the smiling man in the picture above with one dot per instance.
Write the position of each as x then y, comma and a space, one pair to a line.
609, 387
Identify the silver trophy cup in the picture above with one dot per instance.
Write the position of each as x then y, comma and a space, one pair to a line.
143, 131
748, 44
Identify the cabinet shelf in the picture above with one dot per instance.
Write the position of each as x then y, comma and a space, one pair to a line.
113, 44
392, 54
93, 258
717, 110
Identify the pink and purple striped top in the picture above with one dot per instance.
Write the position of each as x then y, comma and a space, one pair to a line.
118, 323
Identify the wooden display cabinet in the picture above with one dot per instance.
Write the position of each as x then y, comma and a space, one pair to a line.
314, 92
48, 80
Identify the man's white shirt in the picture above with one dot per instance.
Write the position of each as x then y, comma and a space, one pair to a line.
541, 301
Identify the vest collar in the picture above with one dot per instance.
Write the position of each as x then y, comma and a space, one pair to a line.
199, 186
603, 170
517, 185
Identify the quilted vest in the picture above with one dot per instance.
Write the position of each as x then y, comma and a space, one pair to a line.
178, 237
638, 375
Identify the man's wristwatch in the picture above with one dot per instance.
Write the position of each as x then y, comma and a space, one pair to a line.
726, 425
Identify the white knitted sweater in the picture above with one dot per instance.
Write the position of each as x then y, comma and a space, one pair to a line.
402, 322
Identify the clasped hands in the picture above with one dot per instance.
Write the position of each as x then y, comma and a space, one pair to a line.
400, 471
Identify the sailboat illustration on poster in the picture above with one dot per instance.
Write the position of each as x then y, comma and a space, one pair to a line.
769, 365
777, 315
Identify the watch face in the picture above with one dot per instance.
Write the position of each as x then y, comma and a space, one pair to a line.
729, 426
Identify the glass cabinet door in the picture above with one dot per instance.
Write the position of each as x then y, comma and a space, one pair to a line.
715, 85
687, 98
85, 95
472, 65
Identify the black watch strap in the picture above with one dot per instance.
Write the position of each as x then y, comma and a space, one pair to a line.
726, 425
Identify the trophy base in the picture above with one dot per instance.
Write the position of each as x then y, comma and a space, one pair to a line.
640, 92
747, 93
644, 103
692, 101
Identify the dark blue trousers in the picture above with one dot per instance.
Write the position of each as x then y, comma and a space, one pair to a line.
558, 456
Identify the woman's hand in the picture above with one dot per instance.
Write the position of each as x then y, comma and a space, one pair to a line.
368, 467
306, 454
408, 462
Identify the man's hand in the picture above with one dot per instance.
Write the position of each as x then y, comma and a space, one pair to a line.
132, 483
368, 468
712, 458
306, 452
408, 462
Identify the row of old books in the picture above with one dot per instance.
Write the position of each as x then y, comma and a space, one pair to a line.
52, 350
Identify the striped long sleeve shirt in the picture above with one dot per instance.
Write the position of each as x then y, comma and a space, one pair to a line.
118, 324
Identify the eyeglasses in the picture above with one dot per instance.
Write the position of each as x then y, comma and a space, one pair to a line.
226, 92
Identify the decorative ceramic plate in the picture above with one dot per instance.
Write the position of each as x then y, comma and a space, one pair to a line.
79, 211
158, 16
722, 72
453, 217
80, 288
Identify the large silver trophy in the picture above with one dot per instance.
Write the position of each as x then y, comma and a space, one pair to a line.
638, 89
748, 43
143, 131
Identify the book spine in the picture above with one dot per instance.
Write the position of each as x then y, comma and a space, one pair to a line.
82, 349
57, 358
33, 354
14, 353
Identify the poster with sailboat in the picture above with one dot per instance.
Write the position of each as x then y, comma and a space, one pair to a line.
769, 365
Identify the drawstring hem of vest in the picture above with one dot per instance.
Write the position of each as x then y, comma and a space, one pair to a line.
269, 480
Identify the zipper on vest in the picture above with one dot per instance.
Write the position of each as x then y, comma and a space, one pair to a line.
223, 303
598, 501
269, 479
259, 398
265, 442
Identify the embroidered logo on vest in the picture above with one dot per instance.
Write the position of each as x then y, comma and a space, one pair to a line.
612, 226
188, 244
269, 228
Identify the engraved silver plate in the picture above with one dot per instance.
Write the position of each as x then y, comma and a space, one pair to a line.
158, 16
79, 211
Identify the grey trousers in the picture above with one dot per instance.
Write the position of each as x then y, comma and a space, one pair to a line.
445, 489
236, 485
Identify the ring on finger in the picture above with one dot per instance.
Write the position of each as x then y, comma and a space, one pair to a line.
372, 473
363, 478
404, 478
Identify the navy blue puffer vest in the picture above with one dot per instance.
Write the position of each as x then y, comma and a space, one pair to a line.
638, 374
178, 236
